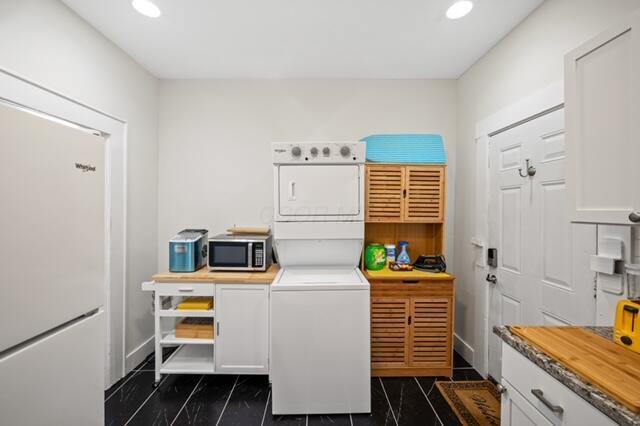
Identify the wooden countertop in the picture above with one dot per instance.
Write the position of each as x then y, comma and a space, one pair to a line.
389, 275
205, 276
599, 361
564, 358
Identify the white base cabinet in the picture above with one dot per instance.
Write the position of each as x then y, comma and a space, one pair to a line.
533, 397
242, 329
241, 319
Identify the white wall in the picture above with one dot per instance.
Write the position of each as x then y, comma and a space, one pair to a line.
44, 41
215, 135
529, 59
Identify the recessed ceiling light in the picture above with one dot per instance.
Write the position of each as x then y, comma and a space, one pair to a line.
147, 8
459, 9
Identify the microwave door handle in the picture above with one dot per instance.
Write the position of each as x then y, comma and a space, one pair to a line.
250, 255
292, 191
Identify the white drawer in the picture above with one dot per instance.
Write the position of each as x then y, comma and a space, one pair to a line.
183, 289
526, 377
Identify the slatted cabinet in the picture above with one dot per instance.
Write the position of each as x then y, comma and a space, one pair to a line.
424, 199
411, 319
389, 331
385, 190
412, 328
399, 193
430, 332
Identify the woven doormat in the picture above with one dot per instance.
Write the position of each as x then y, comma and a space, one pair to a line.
475, 403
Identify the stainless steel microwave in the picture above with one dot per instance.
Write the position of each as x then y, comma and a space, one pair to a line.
240, 252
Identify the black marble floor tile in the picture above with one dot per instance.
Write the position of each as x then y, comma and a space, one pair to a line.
459, 362
408, 402
329, 420
117, 385
125, 401
294, 420
150, 362
207, 402
439, 404
465, 374
165, 403
381, 414
247, 402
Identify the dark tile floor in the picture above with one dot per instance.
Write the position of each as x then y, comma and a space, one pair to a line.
246, 400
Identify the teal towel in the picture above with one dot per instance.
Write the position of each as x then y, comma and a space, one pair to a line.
407, 148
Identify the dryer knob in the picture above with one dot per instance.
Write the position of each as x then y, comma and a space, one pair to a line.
326, 150
296, 151
314, 151
345, 151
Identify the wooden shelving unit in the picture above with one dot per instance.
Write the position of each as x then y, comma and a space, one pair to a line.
412, 312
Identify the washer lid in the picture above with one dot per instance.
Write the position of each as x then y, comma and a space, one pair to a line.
320, 279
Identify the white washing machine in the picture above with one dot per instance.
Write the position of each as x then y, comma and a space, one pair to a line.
320, 322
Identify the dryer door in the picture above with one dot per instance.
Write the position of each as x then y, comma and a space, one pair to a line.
319, 191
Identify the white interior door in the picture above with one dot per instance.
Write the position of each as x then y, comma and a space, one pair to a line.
542, 273
319, 190
510, 232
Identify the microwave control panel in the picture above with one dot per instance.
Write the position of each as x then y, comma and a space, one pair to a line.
258, 254
318, 152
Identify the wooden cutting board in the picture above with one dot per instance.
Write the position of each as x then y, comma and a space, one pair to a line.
599, 361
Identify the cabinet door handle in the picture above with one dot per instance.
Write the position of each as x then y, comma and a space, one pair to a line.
556, 409
409, 320
185, 289
217, 328
404, 193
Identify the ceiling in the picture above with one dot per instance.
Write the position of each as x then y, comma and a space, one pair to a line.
305, 38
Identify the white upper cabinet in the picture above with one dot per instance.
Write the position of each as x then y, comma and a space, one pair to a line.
602, 96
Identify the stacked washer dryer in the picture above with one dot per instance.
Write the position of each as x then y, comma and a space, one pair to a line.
320, 323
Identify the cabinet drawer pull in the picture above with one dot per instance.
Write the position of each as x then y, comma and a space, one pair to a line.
185, 289
556, 409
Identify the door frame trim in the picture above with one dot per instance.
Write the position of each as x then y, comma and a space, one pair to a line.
26, 93
519, 112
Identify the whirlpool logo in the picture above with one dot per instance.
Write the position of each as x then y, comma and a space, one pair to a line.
85, 167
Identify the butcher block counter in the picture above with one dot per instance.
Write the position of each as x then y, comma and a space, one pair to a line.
583, 359
207, 277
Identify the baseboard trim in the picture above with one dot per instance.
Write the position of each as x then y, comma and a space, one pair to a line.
463, 348
136, 356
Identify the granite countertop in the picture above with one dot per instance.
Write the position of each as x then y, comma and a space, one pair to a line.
602, 401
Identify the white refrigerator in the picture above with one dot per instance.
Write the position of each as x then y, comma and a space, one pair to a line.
52, 271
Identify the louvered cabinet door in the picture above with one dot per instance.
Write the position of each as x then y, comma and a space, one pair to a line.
385, 186
431, 332
389, 332
424, 194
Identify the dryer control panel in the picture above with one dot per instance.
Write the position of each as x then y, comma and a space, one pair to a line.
318, 152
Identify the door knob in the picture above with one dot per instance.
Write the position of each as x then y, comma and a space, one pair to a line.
634, 216
492, 278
